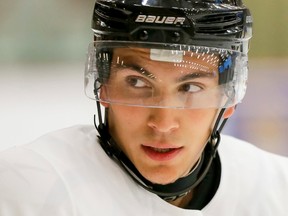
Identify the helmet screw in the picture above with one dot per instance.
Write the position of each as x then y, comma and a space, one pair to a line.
144, 35
176, 37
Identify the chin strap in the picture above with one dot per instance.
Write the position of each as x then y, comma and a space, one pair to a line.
180, 187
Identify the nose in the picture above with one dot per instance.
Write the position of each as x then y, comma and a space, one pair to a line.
163, 120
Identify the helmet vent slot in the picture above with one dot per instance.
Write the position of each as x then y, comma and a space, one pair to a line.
219, 24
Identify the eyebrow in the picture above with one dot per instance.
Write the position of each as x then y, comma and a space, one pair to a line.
190, 76
139, 70
195, 75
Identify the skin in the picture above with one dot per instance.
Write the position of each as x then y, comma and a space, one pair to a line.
136, 129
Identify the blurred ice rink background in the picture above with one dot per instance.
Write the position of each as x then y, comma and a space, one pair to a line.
42, 55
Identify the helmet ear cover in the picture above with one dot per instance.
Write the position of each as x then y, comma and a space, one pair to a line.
226, 72
103, 63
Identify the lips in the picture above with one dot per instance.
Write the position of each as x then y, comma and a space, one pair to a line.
161, 154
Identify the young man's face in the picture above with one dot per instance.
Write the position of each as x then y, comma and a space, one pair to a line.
163, 143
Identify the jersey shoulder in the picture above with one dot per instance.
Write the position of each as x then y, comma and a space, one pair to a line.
33, 177
253, 181
30, 185
248, 154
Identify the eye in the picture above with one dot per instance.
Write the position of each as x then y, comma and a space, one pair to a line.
190, 88
136, 82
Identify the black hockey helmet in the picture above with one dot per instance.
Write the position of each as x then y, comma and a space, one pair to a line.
207, 26
213, 23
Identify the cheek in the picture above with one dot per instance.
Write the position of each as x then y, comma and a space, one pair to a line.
124, 120
125, 115
201, 120
126, 125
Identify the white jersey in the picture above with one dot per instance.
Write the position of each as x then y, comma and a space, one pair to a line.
66, 173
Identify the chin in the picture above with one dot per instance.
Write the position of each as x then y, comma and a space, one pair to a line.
164, 181
162, 178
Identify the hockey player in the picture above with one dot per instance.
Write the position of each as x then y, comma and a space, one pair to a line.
166, 76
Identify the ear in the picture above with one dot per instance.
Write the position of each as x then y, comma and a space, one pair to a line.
106, 105
229, 112
102, 97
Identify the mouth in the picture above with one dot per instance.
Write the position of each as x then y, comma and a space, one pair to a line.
161, 154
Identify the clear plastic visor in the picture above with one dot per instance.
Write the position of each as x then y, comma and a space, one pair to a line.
165, 76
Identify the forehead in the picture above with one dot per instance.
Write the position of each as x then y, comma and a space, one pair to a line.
167, 58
